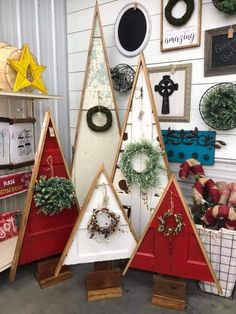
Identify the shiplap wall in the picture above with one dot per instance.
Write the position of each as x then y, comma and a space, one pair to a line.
41, 24
79, 21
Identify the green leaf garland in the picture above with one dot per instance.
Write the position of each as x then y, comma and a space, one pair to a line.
150, 176
53, 195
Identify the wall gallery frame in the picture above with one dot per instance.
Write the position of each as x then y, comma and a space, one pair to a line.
220, 51
172, 91
180, 24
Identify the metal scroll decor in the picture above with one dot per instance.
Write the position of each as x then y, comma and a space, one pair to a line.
181, 145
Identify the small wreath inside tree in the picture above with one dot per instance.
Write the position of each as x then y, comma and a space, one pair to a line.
150, 176
183, 19
103, 222
102, 111
53, 195
166, 227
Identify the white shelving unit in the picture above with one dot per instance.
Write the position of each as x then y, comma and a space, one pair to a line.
7, 247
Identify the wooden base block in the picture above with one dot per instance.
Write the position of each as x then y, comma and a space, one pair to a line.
169, 292
104, 284
45, 273
102, 294
106, 265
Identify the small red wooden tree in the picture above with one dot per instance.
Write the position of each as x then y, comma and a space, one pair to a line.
42, 236
170, 244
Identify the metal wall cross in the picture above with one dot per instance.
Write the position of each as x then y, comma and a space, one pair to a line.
166, 88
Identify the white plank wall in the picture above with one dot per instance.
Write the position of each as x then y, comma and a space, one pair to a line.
79, 21
41, 24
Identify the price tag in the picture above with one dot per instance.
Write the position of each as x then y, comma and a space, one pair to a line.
230, 32
51, 132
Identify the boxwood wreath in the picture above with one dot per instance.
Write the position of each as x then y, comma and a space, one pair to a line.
149, 177
183, 19
226, 6
103, 110
218, 106
111, 227
53, 195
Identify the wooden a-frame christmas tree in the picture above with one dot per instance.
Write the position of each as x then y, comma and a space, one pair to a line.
141, 123
170, 243
91, 244
42, 235
98, 126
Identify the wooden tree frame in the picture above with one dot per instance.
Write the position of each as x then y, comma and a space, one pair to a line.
29, 198
147, 124
96, 19
172, 179
82, 213
186, 42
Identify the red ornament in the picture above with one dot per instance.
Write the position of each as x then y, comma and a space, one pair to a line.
173, 253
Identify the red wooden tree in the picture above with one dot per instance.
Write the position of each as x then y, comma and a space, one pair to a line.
42, 236
181, 254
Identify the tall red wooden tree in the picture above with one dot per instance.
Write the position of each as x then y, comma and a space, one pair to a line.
170, 244
42, 236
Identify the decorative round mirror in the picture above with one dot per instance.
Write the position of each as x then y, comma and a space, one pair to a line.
132, 29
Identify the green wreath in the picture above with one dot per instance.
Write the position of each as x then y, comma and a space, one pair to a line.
182, 20
53, 195
226, 6
218, 106
106, 112
150, 176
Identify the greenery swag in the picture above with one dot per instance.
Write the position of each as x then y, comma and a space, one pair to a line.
149, 177
103, 110
110, 227
53, 195
167, 229
218, 106
183, 19
226, 6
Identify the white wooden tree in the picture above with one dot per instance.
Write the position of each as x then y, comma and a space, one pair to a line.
92, 148
141, 122
81, 247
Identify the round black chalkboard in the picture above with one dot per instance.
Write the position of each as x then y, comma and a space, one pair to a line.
132, 30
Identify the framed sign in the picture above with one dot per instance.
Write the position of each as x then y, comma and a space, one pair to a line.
220, 51
16, 142
180, 24
171, 87
4, 141
132, 29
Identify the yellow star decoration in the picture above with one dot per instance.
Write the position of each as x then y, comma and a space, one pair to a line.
27, 67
